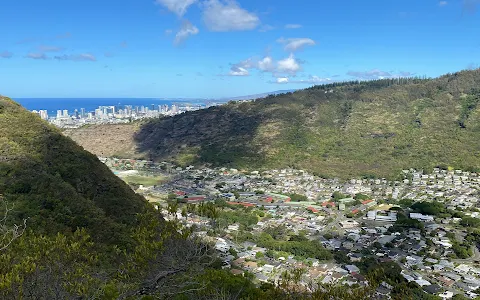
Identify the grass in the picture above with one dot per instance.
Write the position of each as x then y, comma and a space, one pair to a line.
143, 180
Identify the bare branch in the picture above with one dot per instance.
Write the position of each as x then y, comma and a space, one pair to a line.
9, 233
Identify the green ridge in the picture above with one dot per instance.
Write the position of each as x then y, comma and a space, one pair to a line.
369, 129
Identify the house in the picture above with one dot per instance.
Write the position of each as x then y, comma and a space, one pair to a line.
349, 224
261, 277
356, 257
432, 289
251, 266
268, 268
236, 272
446, 295
352, 269
421, 217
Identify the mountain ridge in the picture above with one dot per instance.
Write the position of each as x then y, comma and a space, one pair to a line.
58, 186
349, 129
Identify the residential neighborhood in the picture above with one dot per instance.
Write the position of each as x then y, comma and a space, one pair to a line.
270, 223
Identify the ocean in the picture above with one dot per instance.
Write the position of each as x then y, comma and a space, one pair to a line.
90, 104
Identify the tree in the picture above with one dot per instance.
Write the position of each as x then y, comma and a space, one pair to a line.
361, 197
184, 213
191, 208
172, 196
259, 255
9, 233
337, 196
172, 208
298, 197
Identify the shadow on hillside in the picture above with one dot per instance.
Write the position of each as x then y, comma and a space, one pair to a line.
219, 135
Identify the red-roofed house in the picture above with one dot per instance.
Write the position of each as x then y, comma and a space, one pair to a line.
195, 199
312, 209
269, 199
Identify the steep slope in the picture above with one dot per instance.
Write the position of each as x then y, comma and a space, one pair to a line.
56, 184
348, 129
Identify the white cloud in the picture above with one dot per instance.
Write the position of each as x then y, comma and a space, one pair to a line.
378, 74
77, 57
238, 71
310, 80
266, 64
178, 7
442, 3
187, 29
288, 65
228, 16
293, 26
282, 80
295, 44
315, 80
168, 31
372, 74
248, 63
41, 56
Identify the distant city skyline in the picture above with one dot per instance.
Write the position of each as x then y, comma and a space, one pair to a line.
226, 48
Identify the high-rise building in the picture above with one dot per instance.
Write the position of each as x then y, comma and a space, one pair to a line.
59, 114
174, 108
65, 113
44, 114
82, 112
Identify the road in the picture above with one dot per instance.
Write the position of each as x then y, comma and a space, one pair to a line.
335, 224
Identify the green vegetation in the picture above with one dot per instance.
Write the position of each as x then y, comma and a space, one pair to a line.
429, 208
143, 180
338, 196
302, 248
57, 186
361, 197
89, 236
297, 197
368, 129
403, 222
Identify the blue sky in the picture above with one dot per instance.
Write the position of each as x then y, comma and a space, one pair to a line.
220, 48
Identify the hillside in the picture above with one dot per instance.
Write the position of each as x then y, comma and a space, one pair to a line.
56, 184
347, 129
